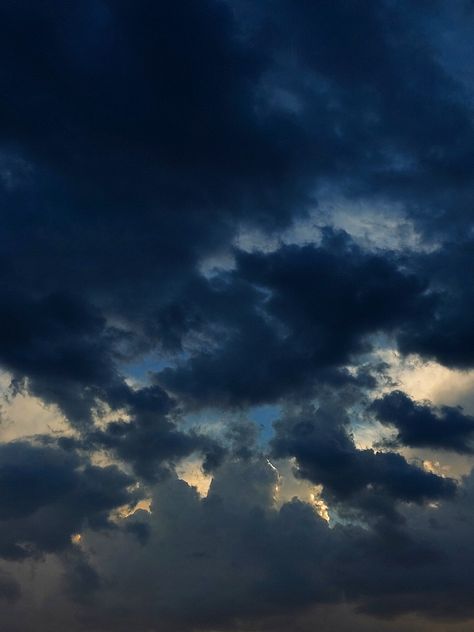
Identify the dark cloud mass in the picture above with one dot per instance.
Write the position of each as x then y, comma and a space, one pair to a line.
229, 231
368, 480
421, 425
48, 495
314, 312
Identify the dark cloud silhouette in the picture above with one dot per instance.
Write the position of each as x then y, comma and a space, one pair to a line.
425, 426
313, 312
183, 190
368, 481
62, 348
152, 447
234, 558
49, 494
246, 143
447, 337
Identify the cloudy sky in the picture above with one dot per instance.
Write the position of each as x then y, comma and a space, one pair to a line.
236, 315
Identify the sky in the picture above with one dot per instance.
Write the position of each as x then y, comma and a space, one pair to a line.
236, 316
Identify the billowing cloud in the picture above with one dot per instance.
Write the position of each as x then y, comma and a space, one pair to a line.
308, 311
363, 479
49, 494
420, 425
211, 207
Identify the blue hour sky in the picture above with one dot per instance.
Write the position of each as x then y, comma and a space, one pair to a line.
236, 333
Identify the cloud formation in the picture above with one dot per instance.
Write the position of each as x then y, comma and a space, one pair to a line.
172, 269
424, 426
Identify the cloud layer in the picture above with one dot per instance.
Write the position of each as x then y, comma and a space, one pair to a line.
219, 219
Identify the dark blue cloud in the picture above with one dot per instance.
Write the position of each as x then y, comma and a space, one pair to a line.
301, 313
138, 141
425, 426
49, 494
447, 337
368, 481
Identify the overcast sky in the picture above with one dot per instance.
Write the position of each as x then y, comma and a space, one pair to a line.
236, 315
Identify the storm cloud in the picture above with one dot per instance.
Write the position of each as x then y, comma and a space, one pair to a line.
233, 236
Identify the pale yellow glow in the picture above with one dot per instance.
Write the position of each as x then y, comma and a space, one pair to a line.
24, 415
190, 470
289, 487
318, 503
126, 511
435, 467
431, 381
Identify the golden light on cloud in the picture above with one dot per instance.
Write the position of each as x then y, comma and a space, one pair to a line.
126, 511
190, 471
24, 415
318, 503
439, 385
431, 381
288, 487
435, 467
